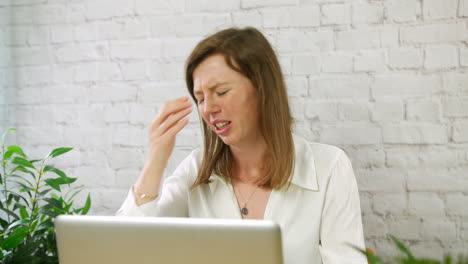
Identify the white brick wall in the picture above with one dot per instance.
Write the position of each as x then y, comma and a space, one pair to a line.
385, 80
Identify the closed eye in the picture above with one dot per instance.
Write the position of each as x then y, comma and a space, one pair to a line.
222, 93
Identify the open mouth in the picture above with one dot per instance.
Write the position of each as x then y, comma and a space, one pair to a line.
221, 125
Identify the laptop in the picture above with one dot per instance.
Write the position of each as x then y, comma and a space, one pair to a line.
145, 240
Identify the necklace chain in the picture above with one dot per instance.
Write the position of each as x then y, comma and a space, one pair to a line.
244, 210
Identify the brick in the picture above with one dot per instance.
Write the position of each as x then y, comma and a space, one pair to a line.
373, 227
460, 131
163, 71
455, 107
135, 49
337, 62
387, 111
178, 48
129, 136
464, 57
66, 114
441, 57
23, 15
292, 41
455, 83
61, 33
389, 36
216, 22
126, 177
86, 31
390, 203
39, 135
336, 14
463, 8
405, 58
108, 71
107, 9
86, 72
121, 158
323, 111
50, 14
275, 17
297, 86
423, 110
77, 12
142, 114
414, 134
305, 16
408, 85
212, 5
425, 204
244, 19
93, 176
134, 70
353, 111
159, 7
112, 92
433, 33
464, 229
367, 157
381, 180
456, 204
402, 158
427, 249
306, 64
116, 113
266, 3
439, 9
79, 52
186, 26
367, 13
36, 75
161, 92
64, 94
358, 39
439, 229
351, 135
370, 61
403, 10
356, 87
437, 180
409, 228
124, 29
84, 137
441, 157
30, 56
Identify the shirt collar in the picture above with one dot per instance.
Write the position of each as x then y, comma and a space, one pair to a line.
304, 175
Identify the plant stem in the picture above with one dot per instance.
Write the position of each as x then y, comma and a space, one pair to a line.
35, 200
4, 181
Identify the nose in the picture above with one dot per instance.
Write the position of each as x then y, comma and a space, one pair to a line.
210, 106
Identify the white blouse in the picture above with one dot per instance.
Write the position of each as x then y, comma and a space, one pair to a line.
319, 215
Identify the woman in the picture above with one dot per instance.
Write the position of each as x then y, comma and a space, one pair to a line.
252, 167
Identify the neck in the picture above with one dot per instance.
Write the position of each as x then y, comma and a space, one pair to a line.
248, 161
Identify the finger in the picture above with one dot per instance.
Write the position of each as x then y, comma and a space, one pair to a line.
173, 119
175, 129
171, 108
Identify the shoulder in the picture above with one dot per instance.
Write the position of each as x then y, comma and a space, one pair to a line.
323, 155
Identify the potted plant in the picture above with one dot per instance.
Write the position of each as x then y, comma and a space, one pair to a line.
31, 196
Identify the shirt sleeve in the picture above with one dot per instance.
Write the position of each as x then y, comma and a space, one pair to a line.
341, 226
173, 199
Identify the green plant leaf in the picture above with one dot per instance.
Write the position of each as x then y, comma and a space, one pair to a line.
58, 151
5, 134
402, 247
57, 204
15, 238
23, 169
23, 212
87, 205
19, 222
9, 212
55, 170
13, 150
22, 162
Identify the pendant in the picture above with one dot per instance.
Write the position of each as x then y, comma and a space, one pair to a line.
244, 211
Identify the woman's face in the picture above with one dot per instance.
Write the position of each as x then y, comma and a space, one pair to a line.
227, 102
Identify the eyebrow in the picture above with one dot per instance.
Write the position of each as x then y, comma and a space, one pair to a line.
216, 85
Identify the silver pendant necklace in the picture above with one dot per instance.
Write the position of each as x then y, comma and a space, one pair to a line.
243, 210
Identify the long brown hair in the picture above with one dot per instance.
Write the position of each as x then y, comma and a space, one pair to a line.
248, 52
